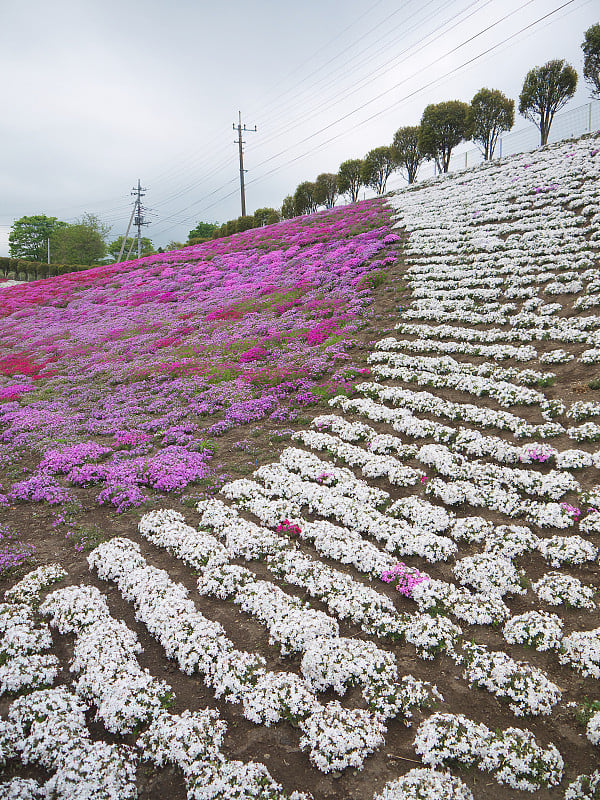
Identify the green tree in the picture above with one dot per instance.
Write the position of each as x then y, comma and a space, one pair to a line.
28, 237
114, 248
288, 209
443, 126
245, 223
350, 178
492, 113
406, 151
265, 216
81, 243
591, 58
304, 198
326, 189
203, 230
547, 89
377, 166
172, 246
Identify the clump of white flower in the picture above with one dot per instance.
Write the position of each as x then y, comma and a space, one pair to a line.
339, 663
28, 589
490, 574
471, 529
581, 649
339, 737
425, 784
432, 635
517, 760
558, 356
28, 672
510, 541
183, 739
584, 787
560, 550
558, 589
535, 629
277, 696
95, 771
22, 789
573, 459
527, 689
593, 728
451, 738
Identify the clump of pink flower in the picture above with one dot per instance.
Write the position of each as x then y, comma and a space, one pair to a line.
572, 510
289, 527
407, 577
536, 453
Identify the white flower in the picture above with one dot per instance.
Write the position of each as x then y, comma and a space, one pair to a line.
581, 649
535, 629
558, 589
425, 784
339, 737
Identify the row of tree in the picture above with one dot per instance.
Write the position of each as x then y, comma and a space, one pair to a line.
50, 240
443, 126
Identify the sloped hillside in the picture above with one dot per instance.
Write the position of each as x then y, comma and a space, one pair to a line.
399, 601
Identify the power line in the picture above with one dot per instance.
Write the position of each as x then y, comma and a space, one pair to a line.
382, 111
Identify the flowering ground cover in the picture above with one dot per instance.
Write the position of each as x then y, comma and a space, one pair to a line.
367, 568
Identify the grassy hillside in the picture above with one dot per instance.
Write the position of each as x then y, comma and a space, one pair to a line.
339, 479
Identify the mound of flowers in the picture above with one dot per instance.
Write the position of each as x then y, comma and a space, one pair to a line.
138, 365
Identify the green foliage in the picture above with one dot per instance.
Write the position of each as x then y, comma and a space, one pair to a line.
594, 383
29, 236
586, 710
373, 279
591, 58
265, 216
203, 230
81, 243
288, 209
545, 91
377, 166
406, 151
350, 178
305, 201
114, 248
244, 223
491, 114
326, 189
443, 126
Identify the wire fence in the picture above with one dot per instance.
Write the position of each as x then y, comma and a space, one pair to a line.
571, 123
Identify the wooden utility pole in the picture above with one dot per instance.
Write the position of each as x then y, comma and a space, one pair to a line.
240, 143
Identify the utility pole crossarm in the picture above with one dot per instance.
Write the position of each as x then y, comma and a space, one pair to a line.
240, 142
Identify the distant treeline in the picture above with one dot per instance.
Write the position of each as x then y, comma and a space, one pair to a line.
19, 269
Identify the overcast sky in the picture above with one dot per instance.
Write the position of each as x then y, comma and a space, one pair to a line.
99, 93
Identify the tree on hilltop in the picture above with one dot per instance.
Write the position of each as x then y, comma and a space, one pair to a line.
305, 201
545, 91
28, 237
377, 167
443, 126
326, 189
350, 178
81, 243
288, 209
406, 151
265, 216
203, 230
591, 58
492, 113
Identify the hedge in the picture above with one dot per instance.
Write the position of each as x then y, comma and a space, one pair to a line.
18, 269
